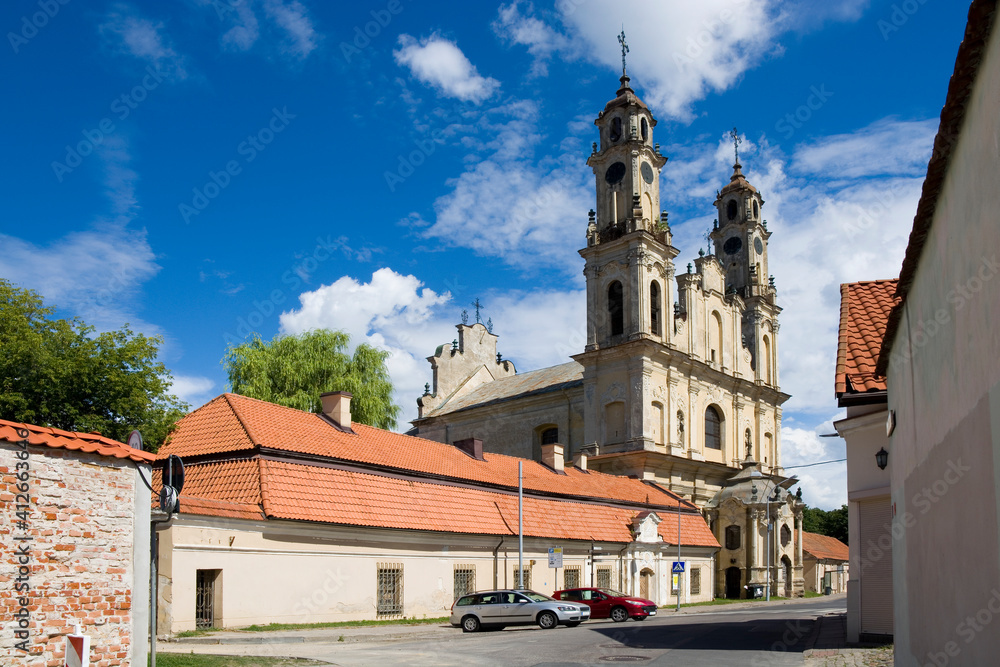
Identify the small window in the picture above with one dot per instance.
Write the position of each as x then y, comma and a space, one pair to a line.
756, 209
616, 129
786, 535
645, 129
732, 209
616, 312
654, 308
571, 577
604, 577
205, 591
550, 436
695, 581
465, 580
713, 428
525, 578
390, 590
733, 538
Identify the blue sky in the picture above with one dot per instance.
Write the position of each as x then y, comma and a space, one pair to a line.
203, 168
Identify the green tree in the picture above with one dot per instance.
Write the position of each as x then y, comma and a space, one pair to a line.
294, 370
832, 523
61, 373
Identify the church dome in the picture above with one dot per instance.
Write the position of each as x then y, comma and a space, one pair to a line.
625, 97
738, 181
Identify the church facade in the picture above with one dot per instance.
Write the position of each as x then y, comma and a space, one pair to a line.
677, 382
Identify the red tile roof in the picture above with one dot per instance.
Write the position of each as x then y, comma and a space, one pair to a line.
90, 443
864, 313
252, 459
823, 547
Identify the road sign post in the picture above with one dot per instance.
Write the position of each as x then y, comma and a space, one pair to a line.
556, 557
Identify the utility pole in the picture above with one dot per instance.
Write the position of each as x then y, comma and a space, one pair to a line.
520, 525
678, 551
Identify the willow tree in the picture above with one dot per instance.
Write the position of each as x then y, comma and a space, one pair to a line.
293, 371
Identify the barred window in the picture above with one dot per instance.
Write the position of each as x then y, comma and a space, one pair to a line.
526, 578
205, 596
695, 581
465, 580
604, 577
571, 577
390, 589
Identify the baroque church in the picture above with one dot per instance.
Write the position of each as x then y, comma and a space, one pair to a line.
678, 382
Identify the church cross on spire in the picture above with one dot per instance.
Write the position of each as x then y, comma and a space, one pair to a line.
477, 306
621, 40
737, 140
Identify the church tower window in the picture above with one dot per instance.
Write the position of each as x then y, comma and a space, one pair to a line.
654, 308
713, 428
732, 537
732, 209
614, 422
550, 436
645, 129
615, 133
616, 310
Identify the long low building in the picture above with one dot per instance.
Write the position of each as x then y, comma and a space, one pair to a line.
288, 516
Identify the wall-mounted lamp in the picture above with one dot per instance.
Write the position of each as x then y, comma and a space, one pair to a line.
881, 458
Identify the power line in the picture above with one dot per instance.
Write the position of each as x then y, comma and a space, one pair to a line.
809, 465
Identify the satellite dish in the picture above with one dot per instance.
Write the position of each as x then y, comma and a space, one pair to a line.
135, 440
173, 472
168, 499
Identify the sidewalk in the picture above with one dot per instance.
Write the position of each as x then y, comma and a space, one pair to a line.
827, 647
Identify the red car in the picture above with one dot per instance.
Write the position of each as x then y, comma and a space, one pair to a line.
608, 603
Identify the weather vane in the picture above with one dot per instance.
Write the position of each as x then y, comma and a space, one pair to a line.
736, 143
621, 40
478, 305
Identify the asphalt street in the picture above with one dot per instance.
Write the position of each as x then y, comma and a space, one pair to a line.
775, 634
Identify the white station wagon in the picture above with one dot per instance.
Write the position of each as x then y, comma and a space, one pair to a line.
496, 609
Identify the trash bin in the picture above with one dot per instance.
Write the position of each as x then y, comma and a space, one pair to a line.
755, 591
828, 590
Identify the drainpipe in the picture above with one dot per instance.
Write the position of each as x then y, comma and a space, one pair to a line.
621, 568
495, 562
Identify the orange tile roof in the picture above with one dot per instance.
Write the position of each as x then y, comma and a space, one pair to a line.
823, 547
231, 423
405, 482
864, 314
90, 443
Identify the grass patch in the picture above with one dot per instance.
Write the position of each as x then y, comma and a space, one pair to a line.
192, 660
272, 627
814, 594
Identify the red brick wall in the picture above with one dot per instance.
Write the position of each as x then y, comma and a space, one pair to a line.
81, 525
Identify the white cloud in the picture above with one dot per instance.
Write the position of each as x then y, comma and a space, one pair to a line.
192, 389
863, 153
439, 63
679, 51
245, 28
96, 272
142, 38
823, 486
292, 17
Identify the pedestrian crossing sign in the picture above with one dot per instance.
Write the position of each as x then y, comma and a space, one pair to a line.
678, 567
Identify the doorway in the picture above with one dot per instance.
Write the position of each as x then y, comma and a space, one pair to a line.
644, 578
733, 578
788, 575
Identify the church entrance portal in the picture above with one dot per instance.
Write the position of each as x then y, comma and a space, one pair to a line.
733, 577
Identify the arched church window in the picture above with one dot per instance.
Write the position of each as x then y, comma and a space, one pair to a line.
654, 308
615, 133
550, 436
767, 361
732, 537
713, 428
756, 209
732, 209
616, 311
645, 129
786, 535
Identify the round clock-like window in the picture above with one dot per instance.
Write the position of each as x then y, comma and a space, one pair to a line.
732, 209
615, 173
758, 246
732, 246
647, 173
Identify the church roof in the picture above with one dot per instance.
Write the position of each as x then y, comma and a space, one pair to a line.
251, 459
737, 181
625, 96
864, 315
553, 378
824, 547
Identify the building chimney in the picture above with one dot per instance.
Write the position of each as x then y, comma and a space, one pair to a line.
552, 456
337, 406
471, 446
581, 460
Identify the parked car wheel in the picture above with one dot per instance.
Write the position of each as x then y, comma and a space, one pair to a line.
470, 624
573, 624
547, 620
619, 614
